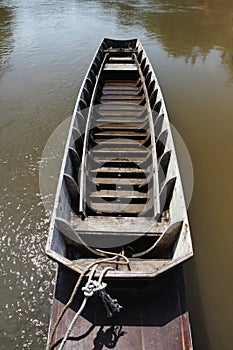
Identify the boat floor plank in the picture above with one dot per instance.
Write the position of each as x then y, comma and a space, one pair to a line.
117, 150
117, 112
120, 106
126, 133
120, 67
116, 119
118, 194
120, 97
119, 170
121, 208
118, 181
121, 83
119, 92
119, 89
116, 126
154, 315
118, 141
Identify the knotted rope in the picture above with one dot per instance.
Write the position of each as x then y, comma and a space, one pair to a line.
91, 287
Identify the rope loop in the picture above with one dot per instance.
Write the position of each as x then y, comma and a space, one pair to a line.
97, 286
93, 287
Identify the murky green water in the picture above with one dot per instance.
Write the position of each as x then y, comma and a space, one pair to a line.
45, 49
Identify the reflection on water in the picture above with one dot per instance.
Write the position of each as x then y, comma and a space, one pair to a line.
188, 29
45, 49
6, 41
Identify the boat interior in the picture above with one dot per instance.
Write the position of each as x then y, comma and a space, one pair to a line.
120, 183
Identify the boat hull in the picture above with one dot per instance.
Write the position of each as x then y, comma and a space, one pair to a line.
119, 189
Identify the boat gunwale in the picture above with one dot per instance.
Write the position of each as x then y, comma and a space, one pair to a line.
86, 134
152, 135
65, 154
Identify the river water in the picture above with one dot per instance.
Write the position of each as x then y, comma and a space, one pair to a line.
45, 50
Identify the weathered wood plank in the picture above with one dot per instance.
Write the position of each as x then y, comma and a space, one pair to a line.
127, 59
120, 134
118, 181
120, 66
119, 88
121, 208
118, 194
121, 96
121, 83
141, 225
119, 92
123, 126
122, 107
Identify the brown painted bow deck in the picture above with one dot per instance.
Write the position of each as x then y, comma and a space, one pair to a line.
154, 315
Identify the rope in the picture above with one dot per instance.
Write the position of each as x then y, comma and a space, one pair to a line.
73, 323
89, 290
93, 265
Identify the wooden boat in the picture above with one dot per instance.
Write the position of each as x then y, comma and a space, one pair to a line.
120, 192
119, 188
